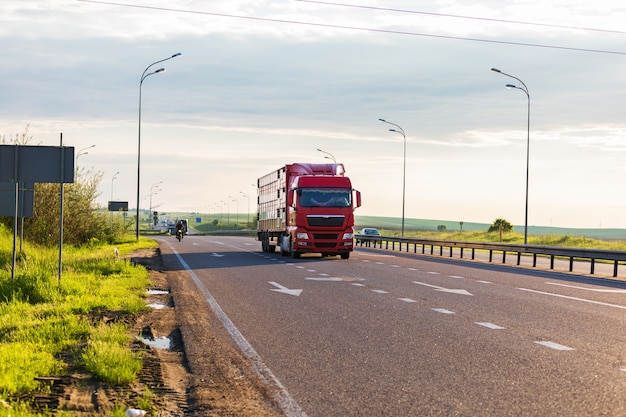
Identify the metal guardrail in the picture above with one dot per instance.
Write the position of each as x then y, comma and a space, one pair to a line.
553, 252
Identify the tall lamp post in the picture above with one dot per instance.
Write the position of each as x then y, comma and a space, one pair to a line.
525, 90
144, 75
248, 197
399, 130
330, 155
113, 179
83, 152
236, 202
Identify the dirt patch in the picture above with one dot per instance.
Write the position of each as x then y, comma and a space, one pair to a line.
199, 373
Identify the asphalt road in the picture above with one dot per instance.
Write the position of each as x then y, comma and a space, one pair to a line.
391, 334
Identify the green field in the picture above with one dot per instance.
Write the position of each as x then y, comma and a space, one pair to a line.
414, 225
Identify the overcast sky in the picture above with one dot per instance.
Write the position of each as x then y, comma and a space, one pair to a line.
263, 83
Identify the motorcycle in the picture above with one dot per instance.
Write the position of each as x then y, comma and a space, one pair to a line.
179, 234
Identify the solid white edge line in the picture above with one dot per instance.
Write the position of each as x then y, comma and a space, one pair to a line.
287, 404
574, 298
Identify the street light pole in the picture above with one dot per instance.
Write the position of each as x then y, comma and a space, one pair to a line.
236, 202
400, 131
83, 152
330, 155
113, 179
527, 92
248, 197
144, 75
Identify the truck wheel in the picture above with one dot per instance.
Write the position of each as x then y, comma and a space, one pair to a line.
271, 248
345, 255
294, 253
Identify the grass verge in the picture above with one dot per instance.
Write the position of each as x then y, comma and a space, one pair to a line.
44, 319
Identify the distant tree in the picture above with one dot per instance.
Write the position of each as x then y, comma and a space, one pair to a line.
500, 222
442, 228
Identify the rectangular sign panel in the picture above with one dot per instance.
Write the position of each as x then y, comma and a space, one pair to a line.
118, 205
36, 163
25, 199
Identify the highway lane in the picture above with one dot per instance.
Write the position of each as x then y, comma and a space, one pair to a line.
404, 335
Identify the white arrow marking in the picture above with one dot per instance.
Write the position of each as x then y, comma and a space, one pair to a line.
217, 255
588, 289
285, 290
574, 298
437, 288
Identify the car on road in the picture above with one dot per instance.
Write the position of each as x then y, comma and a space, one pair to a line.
368, 231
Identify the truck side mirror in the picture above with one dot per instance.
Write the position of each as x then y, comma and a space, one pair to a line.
358, 199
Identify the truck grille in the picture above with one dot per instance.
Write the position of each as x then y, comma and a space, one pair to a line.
321, 220
325, 236
325, 245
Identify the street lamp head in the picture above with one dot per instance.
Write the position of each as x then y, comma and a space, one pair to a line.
509, 86
381, 120
159, 70
495, 70
176, 54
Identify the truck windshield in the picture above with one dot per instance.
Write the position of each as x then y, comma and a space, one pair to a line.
325, 197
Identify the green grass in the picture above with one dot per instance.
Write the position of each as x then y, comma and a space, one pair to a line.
43, 319
610, 239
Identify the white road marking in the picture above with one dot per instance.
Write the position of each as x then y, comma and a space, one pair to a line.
443, 311
442, 289
358, 284
574, 298
380, 263
553, 345
285, 290
395, 266
380, 291
323, 275
588, 289
489, 325
433, 273
485, 282
456, 277
327, 279
288, 405
407, 300
413, 269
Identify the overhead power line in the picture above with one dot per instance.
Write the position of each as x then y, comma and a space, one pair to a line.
456, 16
356, 28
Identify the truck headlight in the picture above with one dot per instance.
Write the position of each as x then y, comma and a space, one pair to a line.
302, 236
348, 236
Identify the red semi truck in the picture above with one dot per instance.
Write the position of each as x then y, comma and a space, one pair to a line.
307, 208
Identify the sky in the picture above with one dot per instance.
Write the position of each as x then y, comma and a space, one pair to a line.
263, 83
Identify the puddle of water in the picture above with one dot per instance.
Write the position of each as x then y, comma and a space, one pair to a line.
159, 342
157, 306
157, 292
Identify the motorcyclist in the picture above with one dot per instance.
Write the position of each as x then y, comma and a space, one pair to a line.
180, 228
